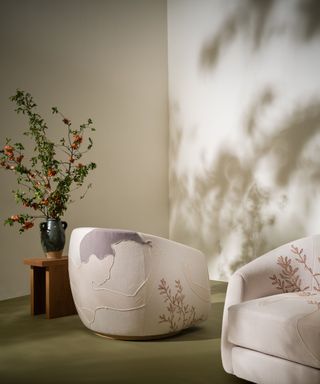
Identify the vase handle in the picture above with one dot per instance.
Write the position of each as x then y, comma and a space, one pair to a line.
43, 226
64, 224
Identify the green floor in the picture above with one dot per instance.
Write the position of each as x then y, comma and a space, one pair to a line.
37, 350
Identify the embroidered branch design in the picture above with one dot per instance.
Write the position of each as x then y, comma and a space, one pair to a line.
302, 259
179, 314
289, 280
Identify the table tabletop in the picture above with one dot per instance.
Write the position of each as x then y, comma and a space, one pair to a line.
45, 262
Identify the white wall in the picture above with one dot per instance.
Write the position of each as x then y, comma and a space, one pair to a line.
244, 92
102, 59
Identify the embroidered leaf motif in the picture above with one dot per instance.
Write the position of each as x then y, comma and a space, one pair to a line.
302, 259
289, 279
180, 315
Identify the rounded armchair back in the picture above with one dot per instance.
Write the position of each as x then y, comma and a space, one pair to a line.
127, 284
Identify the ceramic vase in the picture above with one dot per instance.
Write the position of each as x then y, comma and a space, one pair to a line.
53, 237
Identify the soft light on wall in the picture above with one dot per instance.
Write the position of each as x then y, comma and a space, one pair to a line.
244, 91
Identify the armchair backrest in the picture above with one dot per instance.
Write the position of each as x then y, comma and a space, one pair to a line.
297, 266
292, 267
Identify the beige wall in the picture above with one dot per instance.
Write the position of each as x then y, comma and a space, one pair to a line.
244, 93
101, 59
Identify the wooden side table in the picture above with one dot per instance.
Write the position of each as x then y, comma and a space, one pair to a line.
50, 287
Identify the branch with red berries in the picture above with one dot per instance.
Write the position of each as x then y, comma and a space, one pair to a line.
47, 178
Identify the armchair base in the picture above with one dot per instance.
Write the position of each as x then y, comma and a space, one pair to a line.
138, 338
262, 368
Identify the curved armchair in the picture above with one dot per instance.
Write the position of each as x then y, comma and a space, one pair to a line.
271, 320
130, 285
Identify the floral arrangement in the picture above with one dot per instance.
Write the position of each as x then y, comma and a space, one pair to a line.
45, 181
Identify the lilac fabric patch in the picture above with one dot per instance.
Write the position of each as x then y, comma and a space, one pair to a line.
99, 242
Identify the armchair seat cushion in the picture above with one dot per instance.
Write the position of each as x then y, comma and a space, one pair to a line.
284, 325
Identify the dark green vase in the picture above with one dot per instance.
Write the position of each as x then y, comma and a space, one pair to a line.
53, 237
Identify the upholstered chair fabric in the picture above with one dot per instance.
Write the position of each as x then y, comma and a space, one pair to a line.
132, 285
272, 316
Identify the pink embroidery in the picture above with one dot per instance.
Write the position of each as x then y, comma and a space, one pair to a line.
289, 279
302, 259
179, 315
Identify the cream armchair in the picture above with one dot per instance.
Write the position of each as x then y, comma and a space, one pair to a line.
131, 285
271, 320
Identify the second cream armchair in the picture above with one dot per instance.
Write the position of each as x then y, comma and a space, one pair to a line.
271, 321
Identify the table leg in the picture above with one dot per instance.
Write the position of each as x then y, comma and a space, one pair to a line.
38, 296
59, 301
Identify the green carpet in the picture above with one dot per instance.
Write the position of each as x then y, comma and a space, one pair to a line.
36, 350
